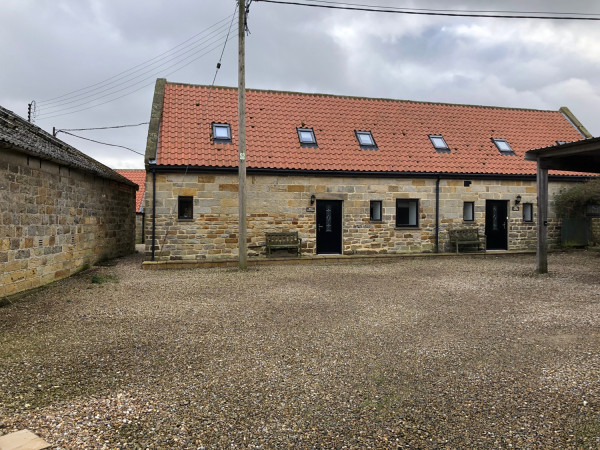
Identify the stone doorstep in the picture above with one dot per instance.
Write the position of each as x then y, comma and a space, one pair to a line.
260, 261
22, 440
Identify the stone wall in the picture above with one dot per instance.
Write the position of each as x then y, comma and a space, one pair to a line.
56, 220
282, 203
139, 228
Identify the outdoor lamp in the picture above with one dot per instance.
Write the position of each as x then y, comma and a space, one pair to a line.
518, 200
312, 199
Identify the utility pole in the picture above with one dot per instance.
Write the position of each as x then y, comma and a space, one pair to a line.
242, 244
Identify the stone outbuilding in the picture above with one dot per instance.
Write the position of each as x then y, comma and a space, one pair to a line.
138, 176
354, 176
61, 211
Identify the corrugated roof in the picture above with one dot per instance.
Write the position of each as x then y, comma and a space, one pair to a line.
400, 129
138, 176
18, 134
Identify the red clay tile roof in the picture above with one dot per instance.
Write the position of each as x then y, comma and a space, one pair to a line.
138, 176
400, 129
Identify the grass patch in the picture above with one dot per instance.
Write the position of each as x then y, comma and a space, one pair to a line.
100, 279
587, 433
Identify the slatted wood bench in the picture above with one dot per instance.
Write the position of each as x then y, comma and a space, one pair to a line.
283, 240
467, 236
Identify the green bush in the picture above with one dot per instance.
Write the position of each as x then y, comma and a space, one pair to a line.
573, 202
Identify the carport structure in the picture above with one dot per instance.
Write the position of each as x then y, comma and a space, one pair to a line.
579, 156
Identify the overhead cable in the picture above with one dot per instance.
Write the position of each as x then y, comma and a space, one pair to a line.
68, 110
384, 9
138, 65
455, 10
103, 143
103, 128
80, 100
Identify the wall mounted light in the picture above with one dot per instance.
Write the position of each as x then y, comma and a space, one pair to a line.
312, 199
518, 200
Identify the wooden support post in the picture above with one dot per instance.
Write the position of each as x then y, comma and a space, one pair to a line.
542, 226
242, 245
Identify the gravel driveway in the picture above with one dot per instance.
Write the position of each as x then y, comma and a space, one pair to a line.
419, 353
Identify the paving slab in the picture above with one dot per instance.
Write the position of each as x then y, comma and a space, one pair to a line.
22, 440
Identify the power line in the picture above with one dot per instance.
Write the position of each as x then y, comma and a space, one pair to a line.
219, 62
99, 142
129, 82
59, 113
453, 10
138, 65
102, 128
383, 9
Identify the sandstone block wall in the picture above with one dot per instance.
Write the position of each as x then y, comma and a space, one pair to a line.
55, 220
139, 228
282, 203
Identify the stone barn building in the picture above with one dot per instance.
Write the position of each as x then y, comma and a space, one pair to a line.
60, 210
354, 176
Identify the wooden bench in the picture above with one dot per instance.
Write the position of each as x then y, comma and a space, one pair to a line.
284, 239
467, 236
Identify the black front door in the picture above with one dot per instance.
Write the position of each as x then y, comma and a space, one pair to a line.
496, 223
329, 226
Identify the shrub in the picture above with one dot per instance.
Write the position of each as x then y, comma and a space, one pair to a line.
573, 202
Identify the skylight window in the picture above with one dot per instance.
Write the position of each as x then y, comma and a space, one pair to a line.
439, 143
365, 139
307, 136
221, 132
503, 146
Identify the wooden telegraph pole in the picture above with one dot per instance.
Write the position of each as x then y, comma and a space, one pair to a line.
242, 245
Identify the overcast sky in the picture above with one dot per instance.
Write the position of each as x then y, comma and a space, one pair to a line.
52, 48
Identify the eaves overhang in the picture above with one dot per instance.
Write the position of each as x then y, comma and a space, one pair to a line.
367, 174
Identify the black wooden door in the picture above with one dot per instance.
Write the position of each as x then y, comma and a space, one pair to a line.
496, 224
329, 226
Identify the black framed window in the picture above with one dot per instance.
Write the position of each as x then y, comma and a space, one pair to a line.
439, 143
407, 212
306, 136
221, 132
375, 210
469, 211
185, 207
503, 146
527, 212
365, 139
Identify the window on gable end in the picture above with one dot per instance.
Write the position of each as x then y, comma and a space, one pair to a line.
439, 143
365, 139
306, 136
503, 146
221, 132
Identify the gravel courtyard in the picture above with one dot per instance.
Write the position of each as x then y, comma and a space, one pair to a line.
417, 353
